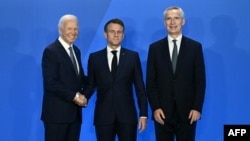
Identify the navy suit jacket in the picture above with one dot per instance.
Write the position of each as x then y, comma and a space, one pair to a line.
60, 85
186, 86
115, 99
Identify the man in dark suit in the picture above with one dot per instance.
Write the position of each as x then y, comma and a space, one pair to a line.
63, 79
175, 81
115, 110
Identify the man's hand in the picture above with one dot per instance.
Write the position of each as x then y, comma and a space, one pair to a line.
159, 116
194, 115
80, 99
142, 124
84, 100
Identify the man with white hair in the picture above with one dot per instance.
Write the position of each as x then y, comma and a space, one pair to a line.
63, 80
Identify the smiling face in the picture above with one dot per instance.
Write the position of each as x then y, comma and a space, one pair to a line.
114, 35
69, 30
174, 22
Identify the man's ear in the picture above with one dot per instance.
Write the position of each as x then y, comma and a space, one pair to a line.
105, 35
183, 22
59, 30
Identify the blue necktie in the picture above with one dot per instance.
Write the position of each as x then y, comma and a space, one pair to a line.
73, 59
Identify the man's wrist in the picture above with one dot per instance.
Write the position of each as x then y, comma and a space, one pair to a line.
77, 95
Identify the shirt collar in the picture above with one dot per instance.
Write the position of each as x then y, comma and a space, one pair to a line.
109, 49
170, 39
64, 44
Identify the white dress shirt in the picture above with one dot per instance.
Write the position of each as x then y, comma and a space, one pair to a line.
110, 55
171, 44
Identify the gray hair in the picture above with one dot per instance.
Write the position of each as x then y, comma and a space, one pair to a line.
66, 18
171, 8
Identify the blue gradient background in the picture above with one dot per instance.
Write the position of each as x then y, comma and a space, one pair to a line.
27, 26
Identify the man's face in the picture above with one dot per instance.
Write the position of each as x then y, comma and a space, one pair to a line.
174, 22
114, 35
69, 31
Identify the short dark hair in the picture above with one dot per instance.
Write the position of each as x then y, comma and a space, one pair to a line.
116, 21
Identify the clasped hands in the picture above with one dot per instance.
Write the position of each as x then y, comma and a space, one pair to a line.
80, 99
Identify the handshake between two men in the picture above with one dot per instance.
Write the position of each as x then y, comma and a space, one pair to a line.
80, 99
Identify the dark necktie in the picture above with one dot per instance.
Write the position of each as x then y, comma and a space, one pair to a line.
73, 59
114, 62
174, 56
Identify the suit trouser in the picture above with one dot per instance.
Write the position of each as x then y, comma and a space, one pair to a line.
62, 132
124, 132
175, 128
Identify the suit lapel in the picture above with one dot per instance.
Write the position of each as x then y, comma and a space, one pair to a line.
181, 55
78, 57
166, 55
65, 55
122, 58
104, 57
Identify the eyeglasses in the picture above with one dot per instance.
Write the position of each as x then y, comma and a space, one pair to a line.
115, 32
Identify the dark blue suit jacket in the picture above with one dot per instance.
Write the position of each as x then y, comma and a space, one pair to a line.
115, 99
60, 85
186, 87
